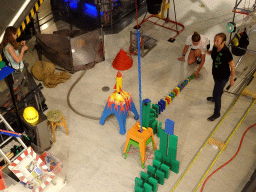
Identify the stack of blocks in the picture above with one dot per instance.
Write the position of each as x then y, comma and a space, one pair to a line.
149, 115
163, 103
165, 160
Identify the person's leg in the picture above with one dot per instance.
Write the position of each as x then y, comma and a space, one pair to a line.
220, 84
198, 53
217, 93
191, 57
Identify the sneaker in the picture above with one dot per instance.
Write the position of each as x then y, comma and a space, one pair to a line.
213, 117
198, 60
210, 99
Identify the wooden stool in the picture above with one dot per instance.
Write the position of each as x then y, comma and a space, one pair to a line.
141, 140
54, 117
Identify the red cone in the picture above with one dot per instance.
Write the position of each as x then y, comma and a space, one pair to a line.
122, 61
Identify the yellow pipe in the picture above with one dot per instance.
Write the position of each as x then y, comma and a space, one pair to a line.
205, 143
225, 145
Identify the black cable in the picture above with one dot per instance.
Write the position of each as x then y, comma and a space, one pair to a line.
72, 87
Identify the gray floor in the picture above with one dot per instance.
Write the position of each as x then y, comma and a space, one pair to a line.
93, 153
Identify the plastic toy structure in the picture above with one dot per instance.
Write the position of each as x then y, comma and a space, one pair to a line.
164, 162
119, 103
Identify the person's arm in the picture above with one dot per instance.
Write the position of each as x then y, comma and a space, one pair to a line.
209, 52
200, 66
232, 77
184, 53
16, 58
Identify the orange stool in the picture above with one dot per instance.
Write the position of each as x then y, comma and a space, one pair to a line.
54, 118
142, 138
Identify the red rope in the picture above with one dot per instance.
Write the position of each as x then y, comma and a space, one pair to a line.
241, 142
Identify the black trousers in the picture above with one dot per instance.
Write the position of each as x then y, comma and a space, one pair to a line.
219, 85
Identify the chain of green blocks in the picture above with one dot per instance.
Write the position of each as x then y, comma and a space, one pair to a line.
165, 158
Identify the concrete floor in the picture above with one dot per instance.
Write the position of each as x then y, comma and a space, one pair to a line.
93, 154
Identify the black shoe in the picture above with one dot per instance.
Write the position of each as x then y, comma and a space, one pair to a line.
210, 99
213, 117
198, 60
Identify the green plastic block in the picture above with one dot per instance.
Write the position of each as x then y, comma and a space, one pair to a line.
166, 170
144, 176
160, 177
151, 171
147, 187
138, 189
154, 126
175, 165
158, 156
174, 94
159, 127
157, 164
172, 153
156, 108
167, 160
153, 111
139, 182
154, 183
163, 141
173, 140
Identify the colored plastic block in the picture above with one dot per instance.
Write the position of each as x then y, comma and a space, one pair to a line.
147, 187
154, 183
156, 108
158, 128
166, 170
180, 87
139, 182
151, 171
173, 141
171, 95
186, 81
172, 153
144, 176
146, 101
138, 189
157, 164
163, 141
120, 114
158, 156
175, 166
160, 177
162, 105
153, 111
174, 94
154, 126
159, 107
167, 160
169, 127
168, 100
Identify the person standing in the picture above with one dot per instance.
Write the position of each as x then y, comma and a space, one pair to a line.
223, 69
199, 45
